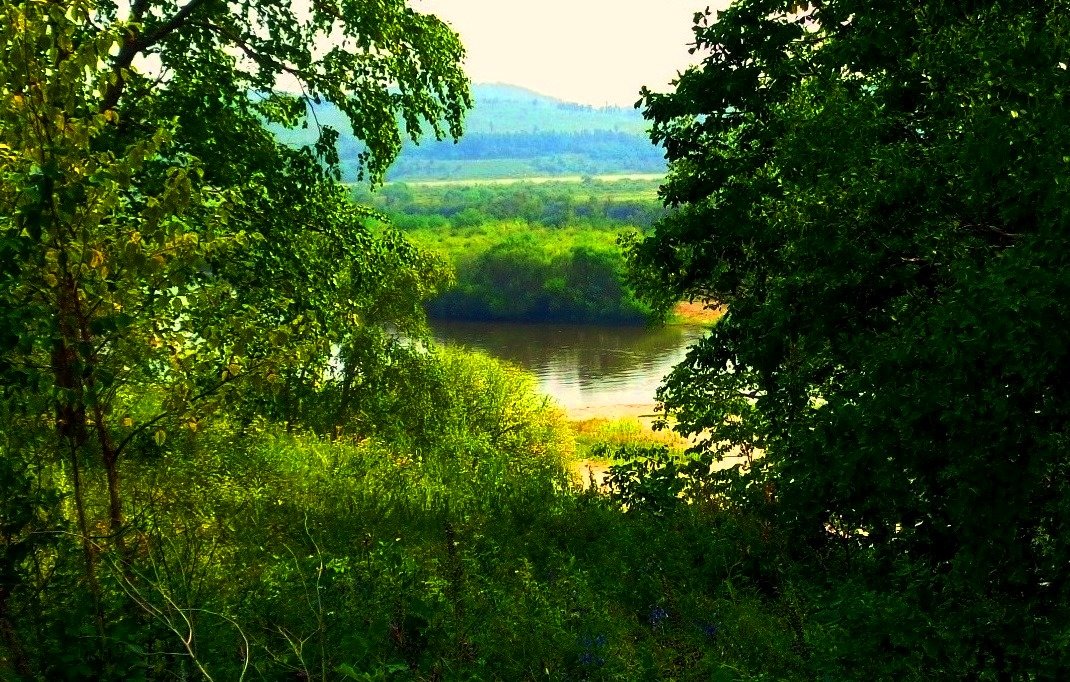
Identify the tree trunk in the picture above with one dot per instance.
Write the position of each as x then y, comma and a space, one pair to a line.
88, 551
73, 324
11, 641
70, 410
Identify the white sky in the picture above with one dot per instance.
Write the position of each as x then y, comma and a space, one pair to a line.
592, 51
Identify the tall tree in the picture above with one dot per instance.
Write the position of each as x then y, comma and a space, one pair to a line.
879, 194
157, 245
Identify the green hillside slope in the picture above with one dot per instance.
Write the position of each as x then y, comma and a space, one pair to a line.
512, 132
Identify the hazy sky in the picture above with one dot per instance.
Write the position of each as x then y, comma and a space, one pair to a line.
592, 51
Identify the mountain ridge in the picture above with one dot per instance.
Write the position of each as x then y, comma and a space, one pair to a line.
511, 131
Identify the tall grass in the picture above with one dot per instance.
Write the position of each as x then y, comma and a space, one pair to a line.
449, 545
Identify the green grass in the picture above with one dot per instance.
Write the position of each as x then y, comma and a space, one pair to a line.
594, 435
461, 245
450, 546
619, 187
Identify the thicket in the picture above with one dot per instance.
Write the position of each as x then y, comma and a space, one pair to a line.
511, 272
528, 252
215, 460
878, 191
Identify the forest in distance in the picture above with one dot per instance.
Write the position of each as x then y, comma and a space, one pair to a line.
525, 251
509, 132
223, 457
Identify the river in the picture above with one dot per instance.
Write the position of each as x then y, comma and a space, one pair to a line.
591, 371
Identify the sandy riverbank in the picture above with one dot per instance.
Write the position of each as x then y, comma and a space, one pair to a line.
615, 424
624, 423
642, 411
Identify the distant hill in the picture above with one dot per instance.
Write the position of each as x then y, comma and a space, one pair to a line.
515, 132
511, 109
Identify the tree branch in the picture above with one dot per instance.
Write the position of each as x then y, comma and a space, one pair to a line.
141, 428
992, 229
171, 25
136, 44
258, 57
138, 9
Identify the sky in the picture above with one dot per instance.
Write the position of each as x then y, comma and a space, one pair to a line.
590, 51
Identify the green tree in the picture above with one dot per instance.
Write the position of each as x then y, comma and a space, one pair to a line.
159, 248
879, 193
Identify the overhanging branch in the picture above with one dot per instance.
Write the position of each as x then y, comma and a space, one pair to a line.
136, 43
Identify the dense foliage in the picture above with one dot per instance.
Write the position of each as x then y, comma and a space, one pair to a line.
227, 449
160, 251
526, 252
526, 275
224, 450
879, 193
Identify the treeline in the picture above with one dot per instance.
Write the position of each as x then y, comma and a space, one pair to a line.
527, 252
510, 132
626, 148
590, 203
526, 278
546, 153
566, 163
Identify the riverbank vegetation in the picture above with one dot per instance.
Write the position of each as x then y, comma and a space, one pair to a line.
228, 451
528, 252
514, 272
534, 251
879, 193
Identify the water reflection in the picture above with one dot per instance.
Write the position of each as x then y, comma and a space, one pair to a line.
582, 367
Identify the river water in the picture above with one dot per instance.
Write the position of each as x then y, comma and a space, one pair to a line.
591, 371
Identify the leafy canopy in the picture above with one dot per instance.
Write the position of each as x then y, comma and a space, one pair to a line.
160, 249
156, 232
879, 194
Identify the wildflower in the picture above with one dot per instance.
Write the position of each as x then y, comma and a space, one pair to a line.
657, 615
588, 657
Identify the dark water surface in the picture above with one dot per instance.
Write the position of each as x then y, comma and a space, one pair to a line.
585, 368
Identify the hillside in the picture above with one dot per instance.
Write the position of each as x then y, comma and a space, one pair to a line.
503, 108
514, 132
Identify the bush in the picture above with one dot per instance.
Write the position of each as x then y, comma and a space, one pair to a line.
525, 278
